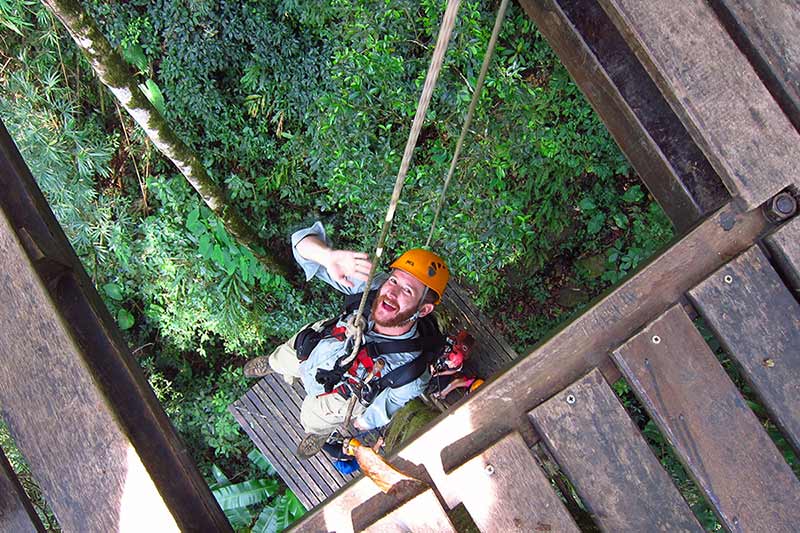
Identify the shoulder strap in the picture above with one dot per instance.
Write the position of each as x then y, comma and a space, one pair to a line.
430, 342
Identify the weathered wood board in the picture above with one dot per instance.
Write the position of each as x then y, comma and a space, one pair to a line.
59, 417
608, 461
757, 321
422, 514
713, 431
769, 33
16, 512
715, 91
506, 490
269, 413
636, 114
784, 245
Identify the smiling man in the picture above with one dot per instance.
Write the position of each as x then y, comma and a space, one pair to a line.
391, 367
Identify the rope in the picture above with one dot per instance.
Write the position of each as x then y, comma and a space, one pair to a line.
448, 21
487, 59
356, 326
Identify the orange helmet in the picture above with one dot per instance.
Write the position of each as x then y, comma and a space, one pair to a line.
427, 267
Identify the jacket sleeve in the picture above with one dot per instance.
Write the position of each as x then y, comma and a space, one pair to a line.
389, 401
313, 269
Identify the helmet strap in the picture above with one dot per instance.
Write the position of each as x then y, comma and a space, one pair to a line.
415, 316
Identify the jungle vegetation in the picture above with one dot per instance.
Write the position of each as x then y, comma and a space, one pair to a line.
301, 113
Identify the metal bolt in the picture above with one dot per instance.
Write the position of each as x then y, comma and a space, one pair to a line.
780, 207
489, 469
656, 339
728, 279
570, 399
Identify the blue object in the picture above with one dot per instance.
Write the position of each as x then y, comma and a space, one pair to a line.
346, 466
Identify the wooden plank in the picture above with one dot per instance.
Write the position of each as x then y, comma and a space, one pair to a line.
504, 489
16, 511
59, 417
711, 428
769, 33
601, 451
288, 444
290, 401
784, 245
757, 321
714, 90
636, 114
267, 391
271, 450
422, 514
501, 405
45, 408
288, 466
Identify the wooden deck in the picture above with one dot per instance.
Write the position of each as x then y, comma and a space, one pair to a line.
270, 411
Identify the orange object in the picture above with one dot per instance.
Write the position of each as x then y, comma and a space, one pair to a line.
427, 267
475, 384
384, 475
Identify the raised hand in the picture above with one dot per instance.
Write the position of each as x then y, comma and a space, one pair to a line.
345, 265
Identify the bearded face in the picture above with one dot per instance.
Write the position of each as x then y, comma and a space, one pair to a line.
387, 313
397, 301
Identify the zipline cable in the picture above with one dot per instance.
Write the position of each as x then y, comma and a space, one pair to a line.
476, 94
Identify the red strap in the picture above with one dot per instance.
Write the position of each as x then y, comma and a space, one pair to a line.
339, 332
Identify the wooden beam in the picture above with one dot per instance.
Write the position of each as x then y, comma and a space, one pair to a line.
713, 431
80, 455
757, 320
507, 490
74, 398
768, 32
642, 123
501, 405
784, 245
16, 511
423, 513
600, 449
714, 90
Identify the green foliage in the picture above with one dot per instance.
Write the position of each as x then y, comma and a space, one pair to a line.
277, 517
238, 500
24, 476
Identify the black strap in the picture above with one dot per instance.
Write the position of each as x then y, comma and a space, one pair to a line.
429, 342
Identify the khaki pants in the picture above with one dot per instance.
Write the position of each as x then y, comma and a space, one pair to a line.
321, 414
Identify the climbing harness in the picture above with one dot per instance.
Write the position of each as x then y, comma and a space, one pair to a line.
429, 342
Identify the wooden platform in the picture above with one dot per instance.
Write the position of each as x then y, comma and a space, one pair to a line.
270, 411
270, 414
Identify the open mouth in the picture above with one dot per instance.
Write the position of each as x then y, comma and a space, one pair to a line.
387, 306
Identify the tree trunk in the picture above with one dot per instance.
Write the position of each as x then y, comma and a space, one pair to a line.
117, 75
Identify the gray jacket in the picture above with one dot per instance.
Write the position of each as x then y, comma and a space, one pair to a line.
329, 350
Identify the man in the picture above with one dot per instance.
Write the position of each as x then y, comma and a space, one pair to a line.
383, 378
